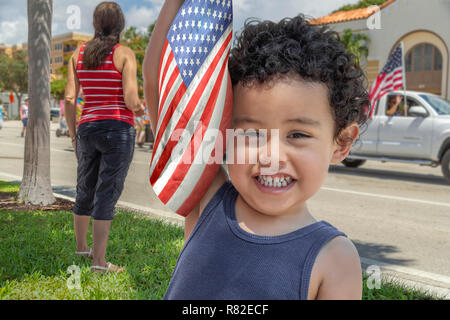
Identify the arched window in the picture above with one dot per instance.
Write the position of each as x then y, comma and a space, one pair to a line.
423, 66
423, 57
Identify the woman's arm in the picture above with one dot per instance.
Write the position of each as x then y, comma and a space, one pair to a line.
71, 94
153, 57
129, 81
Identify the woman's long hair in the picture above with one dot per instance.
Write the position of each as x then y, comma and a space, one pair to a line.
109, 22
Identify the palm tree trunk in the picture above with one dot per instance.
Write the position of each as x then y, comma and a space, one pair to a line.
36, 183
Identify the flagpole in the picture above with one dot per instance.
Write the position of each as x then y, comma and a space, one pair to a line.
404, 77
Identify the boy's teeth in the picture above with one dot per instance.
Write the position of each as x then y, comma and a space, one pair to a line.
276, 182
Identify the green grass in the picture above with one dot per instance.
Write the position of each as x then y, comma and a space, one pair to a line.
6, 187
37, 248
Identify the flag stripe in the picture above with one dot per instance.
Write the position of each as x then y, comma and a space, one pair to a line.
186, 177
180, 119
164, 57
187, 113
210, 171
190, 152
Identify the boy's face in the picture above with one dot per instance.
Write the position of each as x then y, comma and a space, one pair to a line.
302, 114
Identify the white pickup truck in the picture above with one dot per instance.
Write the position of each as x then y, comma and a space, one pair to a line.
420, 133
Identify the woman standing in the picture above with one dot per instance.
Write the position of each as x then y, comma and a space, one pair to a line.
104, 141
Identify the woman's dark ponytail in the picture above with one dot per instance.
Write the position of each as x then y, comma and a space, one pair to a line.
109, 23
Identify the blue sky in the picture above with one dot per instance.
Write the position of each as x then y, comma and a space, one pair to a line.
141, 13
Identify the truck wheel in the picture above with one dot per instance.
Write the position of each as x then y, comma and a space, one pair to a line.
353, 163
445, 164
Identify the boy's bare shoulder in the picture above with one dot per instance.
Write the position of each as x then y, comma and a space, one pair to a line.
337, 272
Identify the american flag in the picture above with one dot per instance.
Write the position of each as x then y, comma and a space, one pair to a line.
389, 79
195, 95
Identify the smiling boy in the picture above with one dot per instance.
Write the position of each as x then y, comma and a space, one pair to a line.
254, 236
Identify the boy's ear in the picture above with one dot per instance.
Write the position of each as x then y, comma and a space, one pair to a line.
346, 139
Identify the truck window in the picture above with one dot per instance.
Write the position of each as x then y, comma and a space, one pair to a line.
413, 103
395, 105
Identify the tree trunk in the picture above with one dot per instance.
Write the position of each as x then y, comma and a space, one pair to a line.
36, 183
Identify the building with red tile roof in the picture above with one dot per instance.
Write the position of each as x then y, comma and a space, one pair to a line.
422, 26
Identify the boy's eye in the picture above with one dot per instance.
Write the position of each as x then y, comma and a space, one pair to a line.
298, 135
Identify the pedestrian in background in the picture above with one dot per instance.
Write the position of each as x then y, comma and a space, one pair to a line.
140, 131
2, 114
24, 117
105, 138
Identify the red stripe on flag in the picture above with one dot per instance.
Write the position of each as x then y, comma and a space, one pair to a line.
170, 109
173, 77
165, 156
378, 81
192, 150
211, 170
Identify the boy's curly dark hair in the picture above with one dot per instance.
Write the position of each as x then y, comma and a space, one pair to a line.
267, 51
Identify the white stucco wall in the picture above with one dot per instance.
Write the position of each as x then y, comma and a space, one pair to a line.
400, 19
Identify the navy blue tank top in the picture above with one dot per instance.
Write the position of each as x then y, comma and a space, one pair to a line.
221, 261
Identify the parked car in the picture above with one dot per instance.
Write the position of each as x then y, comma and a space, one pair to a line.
420, 135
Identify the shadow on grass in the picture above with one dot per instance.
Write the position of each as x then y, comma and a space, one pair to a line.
37, 248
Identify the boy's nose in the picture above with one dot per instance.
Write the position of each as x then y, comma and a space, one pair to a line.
272, 155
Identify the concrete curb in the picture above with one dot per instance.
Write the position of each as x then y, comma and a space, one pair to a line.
434, 284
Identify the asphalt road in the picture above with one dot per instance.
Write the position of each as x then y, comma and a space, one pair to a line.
394, 213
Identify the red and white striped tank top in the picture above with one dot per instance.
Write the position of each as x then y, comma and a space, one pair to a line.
103, 91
